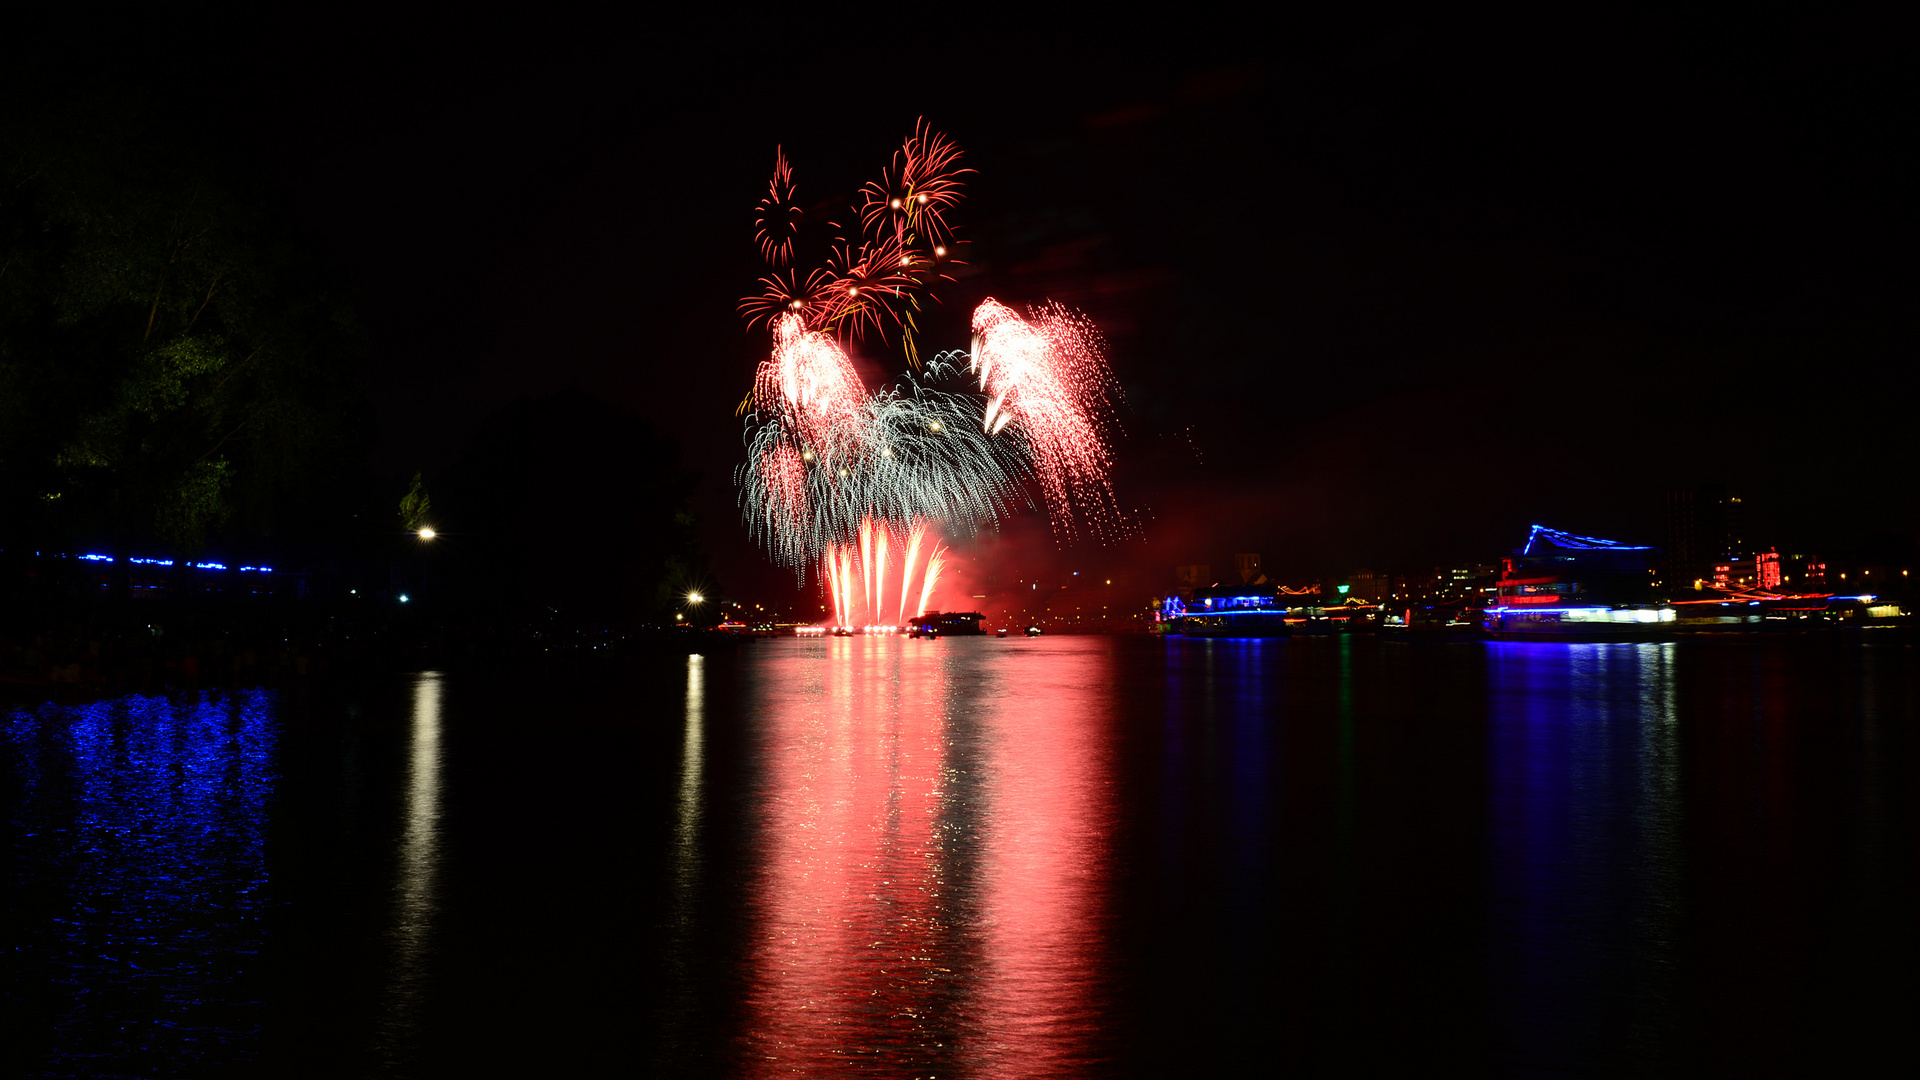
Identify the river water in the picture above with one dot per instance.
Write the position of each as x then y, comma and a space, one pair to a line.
1071, 856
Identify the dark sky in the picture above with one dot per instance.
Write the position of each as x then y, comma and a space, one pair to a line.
1377, 295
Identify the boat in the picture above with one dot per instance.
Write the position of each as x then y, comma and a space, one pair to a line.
1226, 611
1453, 620
958, 623
1318, 619
1576, 588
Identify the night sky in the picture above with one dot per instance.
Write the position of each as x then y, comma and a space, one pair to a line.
1377, 295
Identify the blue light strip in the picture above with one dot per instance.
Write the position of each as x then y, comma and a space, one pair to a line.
1577, 543
91, 557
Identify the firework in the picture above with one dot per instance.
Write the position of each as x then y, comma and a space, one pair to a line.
811, 299
932, 578
778, 219
909, 203
1045, 377
858, 486
908, 453
808, 381
864, 582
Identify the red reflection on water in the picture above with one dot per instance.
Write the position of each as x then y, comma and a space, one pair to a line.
932, 883
1044, 884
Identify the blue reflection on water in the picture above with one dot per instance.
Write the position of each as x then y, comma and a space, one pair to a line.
136, 881
1584, 850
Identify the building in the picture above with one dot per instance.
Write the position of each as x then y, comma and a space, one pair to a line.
1705, 527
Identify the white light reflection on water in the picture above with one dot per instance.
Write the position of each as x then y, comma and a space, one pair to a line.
932, 877
687, 865
686, 848
415, 900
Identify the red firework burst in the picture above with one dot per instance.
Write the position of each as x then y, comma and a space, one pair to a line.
777, 221
909, 202
813, 299
808, 380
1046, 374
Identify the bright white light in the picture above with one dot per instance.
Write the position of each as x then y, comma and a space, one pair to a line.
695, 598
403, 598
427, 533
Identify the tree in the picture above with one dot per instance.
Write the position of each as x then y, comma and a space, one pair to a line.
174, 362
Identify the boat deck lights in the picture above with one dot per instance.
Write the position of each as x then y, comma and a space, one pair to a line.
1597, 614
1572, 542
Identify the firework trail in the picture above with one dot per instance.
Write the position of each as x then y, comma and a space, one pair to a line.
915, 539
860, 576
934, 566
1045, 377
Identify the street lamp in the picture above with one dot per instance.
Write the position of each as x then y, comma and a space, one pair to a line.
695, 598
427, 533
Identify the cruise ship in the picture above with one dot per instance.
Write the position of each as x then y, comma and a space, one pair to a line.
1568, 587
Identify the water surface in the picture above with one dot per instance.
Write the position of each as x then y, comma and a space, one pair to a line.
1076, 856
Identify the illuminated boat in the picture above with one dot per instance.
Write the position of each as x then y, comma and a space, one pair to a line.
1234, 611
1748, 610
1567, 587
959, 623
1453, 620
1318, 618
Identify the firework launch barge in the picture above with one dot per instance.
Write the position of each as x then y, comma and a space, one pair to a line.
1564, 587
